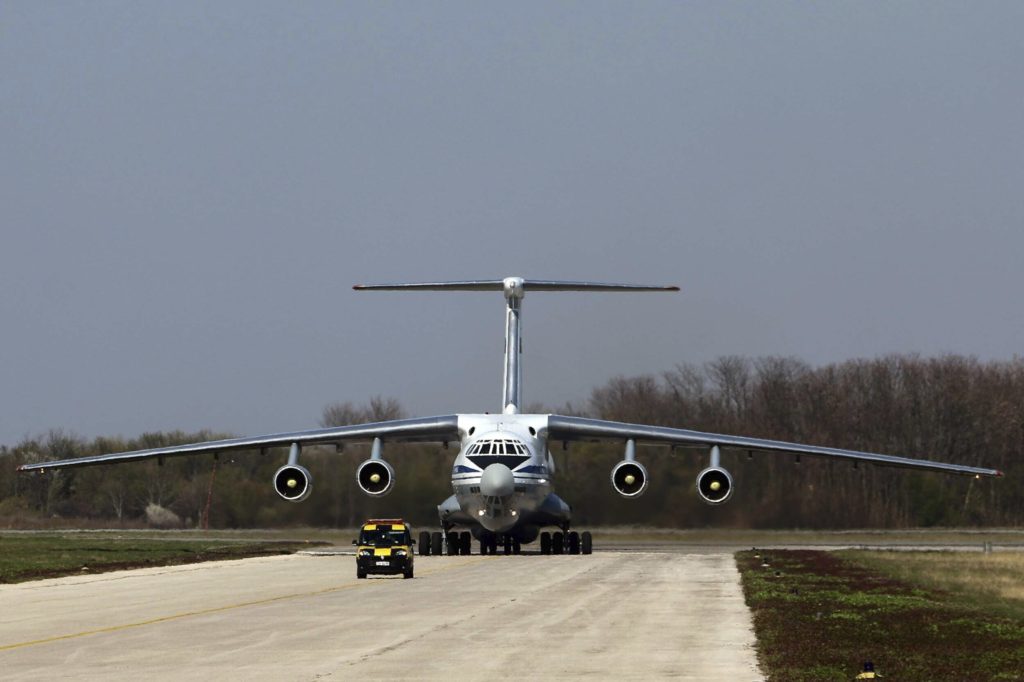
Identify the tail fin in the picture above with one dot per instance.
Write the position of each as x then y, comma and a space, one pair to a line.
514, 288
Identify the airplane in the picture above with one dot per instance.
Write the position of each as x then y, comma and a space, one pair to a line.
502, 475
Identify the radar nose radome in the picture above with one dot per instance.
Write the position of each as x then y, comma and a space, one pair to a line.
497, 481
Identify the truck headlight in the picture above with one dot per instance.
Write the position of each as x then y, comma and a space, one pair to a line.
365, 552
400, 552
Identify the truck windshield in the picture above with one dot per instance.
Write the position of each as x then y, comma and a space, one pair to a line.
383, 537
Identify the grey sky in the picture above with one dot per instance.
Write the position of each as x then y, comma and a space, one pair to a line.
189, 190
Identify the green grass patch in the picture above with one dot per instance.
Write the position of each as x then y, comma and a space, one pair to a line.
819, 615
44, 555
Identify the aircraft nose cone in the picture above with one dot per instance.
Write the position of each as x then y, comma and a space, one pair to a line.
497, 481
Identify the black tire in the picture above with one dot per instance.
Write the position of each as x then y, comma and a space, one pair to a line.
557, 543
465, 542
407, 574
435, 543
586, 542
452, 540
545, 543
483, 546
517, 547
360, 574
574, 543
507, 542
424, 543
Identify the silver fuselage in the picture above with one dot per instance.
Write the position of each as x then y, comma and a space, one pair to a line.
501, 478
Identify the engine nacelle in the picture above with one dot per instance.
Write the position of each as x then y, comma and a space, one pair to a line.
375, 477
293, 482
714, 485
629, 478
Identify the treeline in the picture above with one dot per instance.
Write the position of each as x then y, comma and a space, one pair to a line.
950, 408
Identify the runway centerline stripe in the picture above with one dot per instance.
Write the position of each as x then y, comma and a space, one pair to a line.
218, 609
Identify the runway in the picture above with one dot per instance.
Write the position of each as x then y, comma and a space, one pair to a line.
609, 615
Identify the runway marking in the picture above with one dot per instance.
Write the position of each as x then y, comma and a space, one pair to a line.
219, 609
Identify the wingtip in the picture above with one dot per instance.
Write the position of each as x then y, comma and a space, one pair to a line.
672, 288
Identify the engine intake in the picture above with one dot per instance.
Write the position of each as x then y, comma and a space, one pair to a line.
375, 477
293, 482
629, 478
714, 485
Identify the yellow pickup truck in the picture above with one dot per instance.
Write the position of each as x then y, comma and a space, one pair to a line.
385, 547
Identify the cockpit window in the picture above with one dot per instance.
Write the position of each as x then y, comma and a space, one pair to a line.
498, 447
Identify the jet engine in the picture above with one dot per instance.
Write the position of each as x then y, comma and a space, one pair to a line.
629, 478
293, 482
714, 485
375, 477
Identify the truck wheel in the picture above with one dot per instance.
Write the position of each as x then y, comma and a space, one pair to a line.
360, 574
407, 574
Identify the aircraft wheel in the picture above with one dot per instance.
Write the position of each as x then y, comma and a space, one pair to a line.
465, 542
507, 545
517, 547
586, 542
452, 540
483, 545
557, 543
545, 543
435, 543
424, 543
574, 543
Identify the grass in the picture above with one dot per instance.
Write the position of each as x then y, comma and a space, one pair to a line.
994, 582
818, 616
48, 555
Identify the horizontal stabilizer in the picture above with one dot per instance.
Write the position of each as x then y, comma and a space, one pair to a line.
501, 284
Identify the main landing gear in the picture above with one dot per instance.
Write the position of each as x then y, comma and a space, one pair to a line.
449, 543
569, 542
460, 544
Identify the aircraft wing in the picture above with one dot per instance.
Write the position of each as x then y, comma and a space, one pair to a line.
580, 429
425, 430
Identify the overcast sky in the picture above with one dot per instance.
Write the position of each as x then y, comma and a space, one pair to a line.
188, 192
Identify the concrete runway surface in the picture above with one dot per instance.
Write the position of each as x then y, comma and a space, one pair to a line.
609, 615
